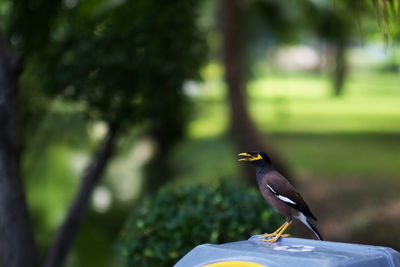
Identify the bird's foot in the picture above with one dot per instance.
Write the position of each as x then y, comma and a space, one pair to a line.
272, 235
277, 234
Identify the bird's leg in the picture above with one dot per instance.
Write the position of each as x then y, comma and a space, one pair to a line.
279, 234
275, 233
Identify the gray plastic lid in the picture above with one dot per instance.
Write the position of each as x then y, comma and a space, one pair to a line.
292, 252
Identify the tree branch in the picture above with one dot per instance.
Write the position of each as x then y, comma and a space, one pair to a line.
68, 230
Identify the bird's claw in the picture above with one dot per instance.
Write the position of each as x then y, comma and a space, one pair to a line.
272, 235
265, 235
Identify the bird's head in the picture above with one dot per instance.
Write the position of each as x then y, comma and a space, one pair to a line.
258, 158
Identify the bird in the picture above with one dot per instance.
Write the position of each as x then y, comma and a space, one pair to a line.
281, 194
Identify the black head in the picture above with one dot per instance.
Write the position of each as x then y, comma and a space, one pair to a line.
258, 158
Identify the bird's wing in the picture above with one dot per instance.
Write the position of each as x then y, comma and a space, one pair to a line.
283, 190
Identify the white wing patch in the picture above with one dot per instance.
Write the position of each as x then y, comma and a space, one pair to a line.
283, 198
272, 190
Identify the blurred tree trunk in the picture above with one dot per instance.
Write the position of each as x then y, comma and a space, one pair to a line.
340, 68
158, 172
166, 129
242, 129
17, 244
69, 229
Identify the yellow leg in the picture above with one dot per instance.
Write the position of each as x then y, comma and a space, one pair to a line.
279, 234
275, 233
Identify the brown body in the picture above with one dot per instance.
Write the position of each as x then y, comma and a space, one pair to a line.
283, 187
276, 202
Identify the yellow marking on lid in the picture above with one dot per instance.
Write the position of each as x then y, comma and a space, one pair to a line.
234, 264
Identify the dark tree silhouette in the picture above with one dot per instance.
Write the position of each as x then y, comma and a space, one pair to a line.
17, 245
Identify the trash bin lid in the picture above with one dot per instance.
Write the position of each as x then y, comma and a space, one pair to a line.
289, 252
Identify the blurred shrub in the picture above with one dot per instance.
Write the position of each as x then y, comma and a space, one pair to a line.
169, 224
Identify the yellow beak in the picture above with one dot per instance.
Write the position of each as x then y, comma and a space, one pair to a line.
248, 157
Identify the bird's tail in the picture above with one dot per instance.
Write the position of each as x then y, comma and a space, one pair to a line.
311, 225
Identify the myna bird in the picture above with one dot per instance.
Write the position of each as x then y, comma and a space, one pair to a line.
280, 194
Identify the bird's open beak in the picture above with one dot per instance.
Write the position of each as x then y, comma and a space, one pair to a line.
246, 157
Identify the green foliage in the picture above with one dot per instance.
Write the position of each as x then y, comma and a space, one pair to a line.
29, 24
127, 63
171, 223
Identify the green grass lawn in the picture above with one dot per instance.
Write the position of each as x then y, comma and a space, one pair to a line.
304, 103
357, 134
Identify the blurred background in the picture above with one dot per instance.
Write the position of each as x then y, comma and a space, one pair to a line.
117, 99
